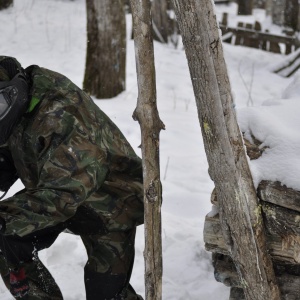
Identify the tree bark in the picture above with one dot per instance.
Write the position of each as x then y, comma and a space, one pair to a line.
146, 114
291, 14
269, 7
240, 213
245, 7
259, 4
160, 20
5, 4
106, 48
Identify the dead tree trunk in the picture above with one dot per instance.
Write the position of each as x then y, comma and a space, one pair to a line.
5, 3
240, 213
106, 48
245, 7
291, 14
147, 115
160, 20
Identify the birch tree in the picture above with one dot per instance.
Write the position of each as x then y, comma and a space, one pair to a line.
106, 48
240, 213
146, 114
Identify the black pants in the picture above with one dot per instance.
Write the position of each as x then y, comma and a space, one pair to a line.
107, 272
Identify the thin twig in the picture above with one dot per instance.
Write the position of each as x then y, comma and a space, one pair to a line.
245, 84
166, 169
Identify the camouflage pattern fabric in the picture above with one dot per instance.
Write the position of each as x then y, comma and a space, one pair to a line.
68, 153
110, 262
79, 173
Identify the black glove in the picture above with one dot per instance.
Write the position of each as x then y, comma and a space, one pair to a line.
8, 172
19, 285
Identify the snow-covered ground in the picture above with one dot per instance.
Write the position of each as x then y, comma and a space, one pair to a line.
52, 34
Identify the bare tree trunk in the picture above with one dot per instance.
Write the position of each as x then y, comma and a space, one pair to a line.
241, 217
147, 115
245, 7
160, 20
269, 7
291, 14
259, 3
106, 48
5, 4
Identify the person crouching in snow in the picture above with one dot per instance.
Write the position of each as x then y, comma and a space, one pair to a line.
80, 174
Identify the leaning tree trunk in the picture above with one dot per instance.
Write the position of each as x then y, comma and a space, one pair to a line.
5, 3
106, 48
147, 115
160, 20
240, 213
245, 7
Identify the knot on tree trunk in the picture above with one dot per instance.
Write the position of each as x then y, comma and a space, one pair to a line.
151, 192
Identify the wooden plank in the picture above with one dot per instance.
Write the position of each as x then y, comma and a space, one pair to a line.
236, 294
227, 37
265, 36
276, 193
249, 41
213, 237
287, 276
225, 270
281, 210
238, 34
282, 248
274, 47
224, 21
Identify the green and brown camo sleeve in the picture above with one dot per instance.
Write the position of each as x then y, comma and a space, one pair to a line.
69, 168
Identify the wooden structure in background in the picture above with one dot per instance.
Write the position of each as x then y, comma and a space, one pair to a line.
281, 212
251, 35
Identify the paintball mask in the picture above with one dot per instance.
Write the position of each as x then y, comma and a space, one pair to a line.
13, 96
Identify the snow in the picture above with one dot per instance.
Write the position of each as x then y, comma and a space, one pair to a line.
52, 34
271, 123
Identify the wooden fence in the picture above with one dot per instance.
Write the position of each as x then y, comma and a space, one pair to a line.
251, 35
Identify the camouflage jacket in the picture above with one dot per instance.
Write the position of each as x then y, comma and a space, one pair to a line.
70, 157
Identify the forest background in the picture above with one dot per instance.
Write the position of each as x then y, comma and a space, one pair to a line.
52, 34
